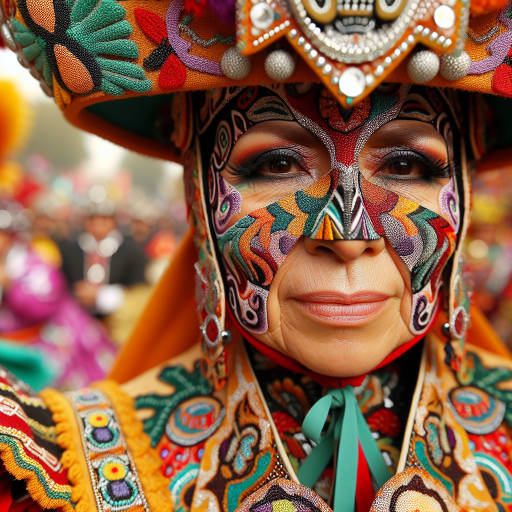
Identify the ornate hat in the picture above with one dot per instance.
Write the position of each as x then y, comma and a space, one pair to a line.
112, 64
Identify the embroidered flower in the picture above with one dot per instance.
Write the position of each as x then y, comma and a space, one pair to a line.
82, 45
172, 55
163, 58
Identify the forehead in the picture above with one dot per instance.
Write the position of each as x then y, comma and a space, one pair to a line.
224, 115
316, 102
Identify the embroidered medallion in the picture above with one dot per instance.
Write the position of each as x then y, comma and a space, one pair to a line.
194, 420
354, 45
112, 471
281, 495
477, 411
413, 490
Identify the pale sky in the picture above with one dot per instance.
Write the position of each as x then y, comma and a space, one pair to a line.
104, 156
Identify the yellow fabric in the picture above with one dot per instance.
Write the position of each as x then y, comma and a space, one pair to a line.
169, 323
69, 438
14, 119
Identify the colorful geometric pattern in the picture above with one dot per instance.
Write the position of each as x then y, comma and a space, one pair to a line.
344, 204
113, 474
28, 447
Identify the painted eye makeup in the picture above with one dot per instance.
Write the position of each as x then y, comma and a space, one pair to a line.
274, 164
413, 166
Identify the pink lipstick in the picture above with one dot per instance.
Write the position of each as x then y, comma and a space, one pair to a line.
340, 309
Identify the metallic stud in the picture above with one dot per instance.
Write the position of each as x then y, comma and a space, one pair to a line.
262, 15
444, 17
235, 65
352, 82
423, 66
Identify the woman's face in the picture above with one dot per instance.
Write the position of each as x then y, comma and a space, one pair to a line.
332, 227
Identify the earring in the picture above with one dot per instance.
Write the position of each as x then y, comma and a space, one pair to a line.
209, 287
214, 336
458, 319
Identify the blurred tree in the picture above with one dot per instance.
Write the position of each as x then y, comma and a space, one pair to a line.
147, 172
54, 138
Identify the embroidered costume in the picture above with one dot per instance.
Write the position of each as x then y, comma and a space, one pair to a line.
304, 133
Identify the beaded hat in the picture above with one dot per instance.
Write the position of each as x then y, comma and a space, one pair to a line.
112, 64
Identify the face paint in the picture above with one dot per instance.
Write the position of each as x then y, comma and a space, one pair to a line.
257, 218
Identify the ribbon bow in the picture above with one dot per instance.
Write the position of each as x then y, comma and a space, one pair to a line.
348, 428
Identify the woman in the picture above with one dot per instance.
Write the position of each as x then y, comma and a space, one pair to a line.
328, 216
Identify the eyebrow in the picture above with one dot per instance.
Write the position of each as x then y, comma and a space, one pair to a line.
393, 130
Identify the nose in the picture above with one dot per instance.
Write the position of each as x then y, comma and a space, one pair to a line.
344, 250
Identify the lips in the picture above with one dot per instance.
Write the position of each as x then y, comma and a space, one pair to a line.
340, 309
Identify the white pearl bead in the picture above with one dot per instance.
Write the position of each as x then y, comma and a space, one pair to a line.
352, 82
262, 15
235, 65
453, 68
279, 65
423, 66
444, 17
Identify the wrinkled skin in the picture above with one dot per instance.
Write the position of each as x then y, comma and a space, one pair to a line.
332, 227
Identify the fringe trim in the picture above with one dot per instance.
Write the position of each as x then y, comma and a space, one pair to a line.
34, 486
154, 484
69, 439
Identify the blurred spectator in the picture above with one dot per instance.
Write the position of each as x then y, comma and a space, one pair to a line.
46, 337
489, 249
100, 263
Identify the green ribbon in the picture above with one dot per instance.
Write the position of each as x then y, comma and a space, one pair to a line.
347, 428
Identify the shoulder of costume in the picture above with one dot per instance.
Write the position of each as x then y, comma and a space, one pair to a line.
82, 451
29, 450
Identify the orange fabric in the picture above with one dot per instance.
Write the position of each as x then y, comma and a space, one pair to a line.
75, 106
169, 323
27, 335
481, 334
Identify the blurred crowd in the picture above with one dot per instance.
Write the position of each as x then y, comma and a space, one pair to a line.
489, 248
78, 260
74, 280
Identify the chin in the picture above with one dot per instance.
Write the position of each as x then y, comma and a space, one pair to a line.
350, 356
345, 368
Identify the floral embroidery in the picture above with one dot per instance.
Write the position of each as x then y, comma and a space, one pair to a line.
172, 55
111, 468
82, 45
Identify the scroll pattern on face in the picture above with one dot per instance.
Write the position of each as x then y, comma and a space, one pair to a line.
254, 233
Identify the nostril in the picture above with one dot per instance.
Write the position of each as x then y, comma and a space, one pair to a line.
323, 249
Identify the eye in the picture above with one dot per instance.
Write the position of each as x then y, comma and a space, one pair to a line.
281, 163
411, 165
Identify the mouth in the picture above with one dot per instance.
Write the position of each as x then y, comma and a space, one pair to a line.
342, 310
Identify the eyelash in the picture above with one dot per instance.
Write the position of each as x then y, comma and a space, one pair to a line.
249, 169
435, 168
